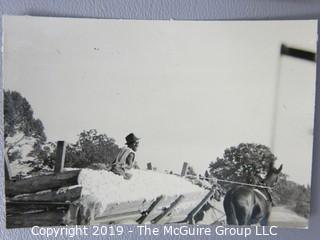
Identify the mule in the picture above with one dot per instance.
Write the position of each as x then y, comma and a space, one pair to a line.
246, 205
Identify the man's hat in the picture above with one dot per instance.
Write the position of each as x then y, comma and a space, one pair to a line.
131, 138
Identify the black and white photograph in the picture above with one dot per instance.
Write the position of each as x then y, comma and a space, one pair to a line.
158, 122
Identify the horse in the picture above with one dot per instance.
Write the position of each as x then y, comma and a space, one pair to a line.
247, 205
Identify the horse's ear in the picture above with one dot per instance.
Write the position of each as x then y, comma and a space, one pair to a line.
280, 168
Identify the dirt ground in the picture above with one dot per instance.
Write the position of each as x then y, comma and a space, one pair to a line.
280, 216
283, 217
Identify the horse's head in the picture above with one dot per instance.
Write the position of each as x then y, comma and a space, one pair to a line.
272, 176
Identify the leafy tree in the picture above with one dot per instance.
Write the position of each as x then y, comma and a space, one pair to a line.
19, 119
91, 148
248, 162
45, 154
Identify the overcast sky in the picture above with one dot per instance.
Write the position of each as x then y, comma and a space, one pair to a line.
188, 89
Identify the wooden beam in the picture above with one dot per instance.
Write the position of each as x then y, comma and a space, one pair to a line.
60, 156
145, 217
190, 217
36, 204
184, 169
43, 182
61, 195
160, 218
149, 166
17, 208
8, 172
46, 218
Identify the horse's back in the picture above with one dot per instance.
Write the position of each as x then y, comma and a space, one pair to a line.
245, 205
240, 193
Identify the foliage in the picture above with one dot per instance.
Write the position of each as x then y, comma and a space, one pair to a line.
299, 200
248, 163
18, 117
20, 122
46, 154
91, 148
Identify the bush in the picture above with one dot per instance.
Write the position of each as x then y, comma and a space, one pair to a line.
91, 148
295, 196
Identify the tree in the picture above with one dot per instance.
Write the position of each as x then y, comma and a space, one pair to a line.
19, 122
248, 162
91, 148
45, 154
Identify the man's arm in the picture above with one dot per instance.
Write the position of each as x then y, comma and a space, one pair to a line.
129, 161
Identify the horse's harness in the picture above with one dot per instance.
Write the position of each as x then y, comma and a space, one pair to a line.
267, 196
256, 187
260, 193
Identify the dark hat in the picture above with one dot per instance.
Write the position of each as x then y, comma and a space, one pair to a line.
131, 138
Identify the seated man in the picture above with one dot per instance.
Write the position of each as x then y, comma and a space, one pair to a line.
125, 158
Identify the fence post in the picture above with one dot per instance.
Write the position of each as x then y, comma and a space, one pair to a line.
8, 172
149, 166
60, 156
184, 169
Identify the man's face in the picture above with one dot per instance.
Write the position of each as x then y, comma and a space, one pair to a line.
134, 146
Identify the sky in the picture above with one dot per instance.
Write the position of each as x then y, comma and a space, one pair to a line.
188, 89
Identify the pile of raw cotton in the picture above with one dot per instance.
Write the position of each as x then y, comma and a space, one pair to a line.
106, 187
